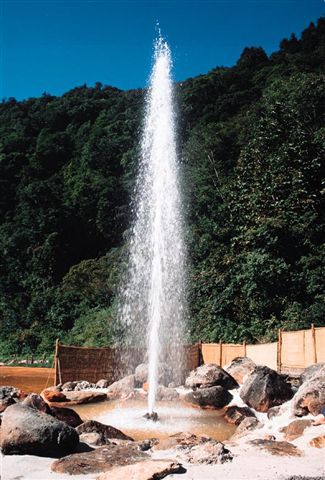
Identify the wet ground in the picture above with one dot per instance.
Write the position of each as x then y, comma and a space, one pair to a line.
28, 379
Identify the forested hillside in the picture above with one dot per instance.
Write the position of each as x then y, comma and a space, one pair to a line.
251, 140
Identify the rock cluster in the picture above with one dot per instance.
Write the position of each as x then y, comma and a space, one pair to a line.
209, 385
8, 396
38, 425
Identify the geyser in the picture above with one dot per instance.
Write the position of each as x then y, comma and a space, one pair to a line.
153, 300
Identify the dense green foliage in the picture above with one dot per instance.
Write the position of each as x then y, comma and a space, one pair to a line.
251, 139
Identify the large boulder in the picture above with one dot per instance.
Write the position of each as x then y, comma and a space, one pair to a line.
236, 415
210, 375
141, 374
28, 431
310, 398
122, 388
106, 432
216, 397
148, 470
264, 388
317, 369
165, 374
66, 415
8, 396
240, 368
101, 459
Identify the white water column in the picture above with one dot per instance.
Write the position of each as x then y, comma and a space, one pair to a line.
153, 297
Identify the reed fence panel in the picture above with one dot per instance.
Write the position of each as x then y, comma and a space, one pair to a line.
294, 351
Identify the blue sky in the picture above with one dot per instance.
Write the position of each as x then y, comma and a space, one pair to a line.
55, 45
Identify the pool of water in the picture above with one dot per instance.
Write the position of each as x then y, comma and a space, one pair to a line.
128, 415
174, 417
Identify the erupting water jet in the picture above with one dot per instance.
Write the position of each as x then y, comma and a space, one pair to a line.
153, 302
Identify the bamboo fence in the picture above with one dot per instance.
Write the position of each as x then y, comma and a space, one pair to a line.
293, 352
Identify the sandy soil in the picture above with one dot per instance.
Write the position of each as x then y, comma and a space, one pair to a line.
249, 463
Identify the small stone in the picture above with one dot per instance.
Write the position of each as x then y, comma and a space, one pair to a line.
273, 412
236, 415
295, 429
69, 386
278, 448
151, 416
210, 453
92, 438
51, 395
103, 383
246, 426
84, 385
318, 442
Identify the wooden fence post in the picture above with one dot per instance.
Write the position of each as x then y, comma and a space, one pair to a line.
244, 344
279, 350
200, 356
220, 348
57, 375
313, 334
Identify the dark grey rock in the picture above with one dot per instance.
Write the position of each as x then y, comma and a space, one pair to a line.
210, 375
28, 431
265, 388
309, 372
216, 397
